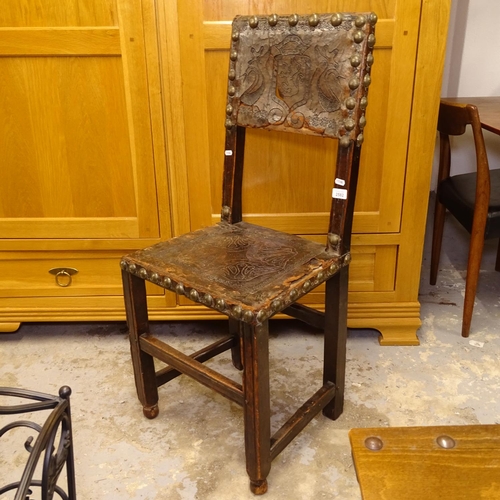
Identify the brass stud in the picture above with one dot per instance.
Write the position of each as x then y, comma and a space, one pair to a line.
333, 239
363, 103
369, 59
355, 60
349, 124
231, 90
132, 268
232, 74
167, 282
229, 109
228, 123
446, 442
333, 268
235, 36
293, 20
253, 22
123, 265
306, 286
220, 304
354, 83
208, 300
272, 20
345, 141
374, 443
143, 273
359, 36
180, 289
373, 18
371, 40
194, 295
362, 122
336, 19
155, 277
261, 316
248, 316
313, 20
347, 258
320, 276
294, 294
360, 21
276, 305
367, 80
350, 103
237, 312
360, 139
226, 211
233, 55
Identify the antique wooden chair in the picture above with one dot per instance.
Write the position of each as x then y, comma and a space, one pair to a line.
306, 75
472, 198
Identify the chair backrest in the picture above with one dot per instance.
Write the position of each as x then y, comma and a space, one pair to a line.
453, 120
300, 74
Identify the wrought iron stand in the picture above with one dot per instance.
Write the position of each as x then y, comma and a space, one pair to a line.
54, 444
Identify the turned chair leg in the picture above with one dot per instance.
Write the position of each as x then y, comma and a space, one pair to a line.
437, 239
257, 405
334, 362
137, 319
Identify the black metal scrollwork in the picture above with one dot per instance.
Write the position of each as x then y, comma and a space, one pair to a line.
53, 444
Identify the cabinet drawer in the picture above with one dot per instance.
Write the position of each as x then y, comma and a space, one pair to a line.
73, 274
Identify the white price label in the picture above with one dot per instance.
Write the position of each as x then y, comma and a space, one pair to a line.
339, 194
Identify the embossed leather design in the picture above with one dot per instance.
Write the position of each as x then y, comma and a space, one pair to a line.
294, 79
244, 263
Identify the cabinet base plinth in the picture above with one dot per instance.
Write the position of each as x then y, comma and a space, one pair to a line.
9, 327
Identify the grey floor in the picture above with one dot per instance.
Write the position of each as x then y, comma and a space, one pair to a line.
194, 449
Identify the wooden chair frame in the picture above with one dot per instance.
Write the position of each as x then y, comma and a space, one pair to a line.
248, 337
453, 120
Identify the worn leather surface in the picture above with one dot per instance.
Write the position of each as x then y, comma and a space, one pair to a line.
245, 264
295, 78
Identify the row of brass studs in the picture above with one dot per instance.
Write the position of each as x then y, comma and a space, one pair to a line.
233, 56
206, 299
313, 20
235, 311
354, 83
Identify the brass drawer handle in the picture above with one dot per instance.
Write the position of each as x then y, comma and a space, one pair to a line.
63, 275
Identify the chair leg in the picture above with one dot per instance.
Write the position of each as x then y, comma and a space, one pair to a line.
437, 239
334, 363
136, 308
236, 351
257, 405
473, 266
497, 263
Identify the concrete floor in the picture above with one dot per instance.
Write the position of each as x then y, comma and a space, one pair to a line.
194, 449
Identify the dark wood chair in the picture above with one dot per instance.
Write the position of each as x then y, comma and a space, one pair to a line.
472, 198
306, 75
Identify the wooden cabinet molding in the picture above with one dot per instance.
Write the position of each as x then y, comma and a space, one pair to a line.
115, 112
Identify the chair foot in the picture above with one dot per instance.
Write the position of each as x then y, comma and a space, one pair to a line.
258, 487
333, 413
151, 411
